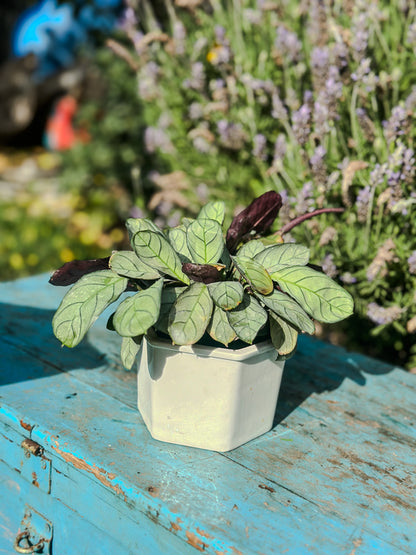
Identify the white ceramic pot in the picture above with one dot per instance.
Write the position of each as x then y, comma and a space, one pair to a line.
207, 397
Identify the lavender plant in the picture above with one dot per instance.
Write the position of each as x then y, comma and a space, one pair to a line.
315, 100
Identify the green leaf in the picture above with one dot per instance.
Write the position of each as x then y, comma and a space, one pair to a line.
251, 248
177, 238
136, 314
169, 296
282, 305
318, 294
213, 211
205, 241
288, 254
190, 315
219, 328
84, 302
226, 294
126, 263
255, 274
247, 319
155, 251
134, 225
130, 346
284, 337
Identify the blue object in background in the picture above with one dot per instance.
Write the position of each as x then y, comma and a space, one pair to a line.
53, 32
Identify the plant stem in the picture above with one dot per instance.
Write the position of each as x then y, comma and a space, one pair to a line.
296, 221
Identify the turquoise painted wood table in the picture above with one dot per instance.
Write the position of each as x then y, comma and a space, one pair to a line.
80, 473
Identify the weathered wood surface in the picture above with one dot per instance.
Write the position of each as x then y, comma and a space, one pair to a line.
335, 476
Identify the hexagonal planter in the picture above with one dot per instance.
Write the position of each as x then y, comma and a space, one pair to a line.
207, 397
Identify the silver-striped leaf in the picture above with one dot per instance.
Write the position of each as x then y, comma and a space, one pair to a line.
284, 337
251, 248
190, 315
247, 319
214, 210
130, 346
126, 263
284, 306
219, 328
255, 274
205, 241
156, 251
288, 254
318, 294
84, 302
134, 225
169, 296
177, 238
136, 314
226, 294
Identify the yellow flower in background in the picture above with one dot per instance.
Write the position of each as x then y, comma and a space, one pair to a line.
16, 261
66, 255
212, 56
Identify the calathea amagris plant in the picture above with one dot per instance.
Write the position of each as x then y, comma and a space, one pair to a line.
191, 282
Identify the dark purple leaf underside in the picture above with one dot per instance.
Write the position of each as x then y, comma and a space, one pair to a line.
70, 272
206, 273
257, 217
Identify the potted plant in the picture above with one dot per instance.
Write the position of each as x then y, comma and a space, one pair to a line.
213, 318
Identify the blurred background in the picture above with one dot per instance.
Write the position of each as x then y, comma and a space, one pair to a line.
112, 109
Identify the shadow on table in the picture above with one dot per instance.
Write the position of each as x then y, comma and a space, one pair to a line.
317, 367
29, 350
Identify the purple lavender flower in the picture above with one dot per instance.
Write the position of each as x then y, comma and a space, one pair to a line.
412, 262
385, 254
378, 174
366, 124
232, 135
259, 146
359, 36
331, 93
362, 70
179, 37
202, 192
279, 149
197, 79
321, 120
319, 66
348, 278
410, 102
304, 199
155, 138
339, 53
287, 44
201, 145
382, 316
278, 109
301, 120
394, 127
254, 17
329, 266
411, 34
318, 166
196, 111
362, 202
137, 212
147, 82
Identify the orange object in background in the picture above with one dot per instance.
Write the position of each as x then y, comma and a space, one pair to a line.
60, 133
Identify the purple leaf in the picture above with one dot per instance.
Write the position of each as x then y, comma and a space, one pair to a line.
257, 217
206, 273
70, 272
